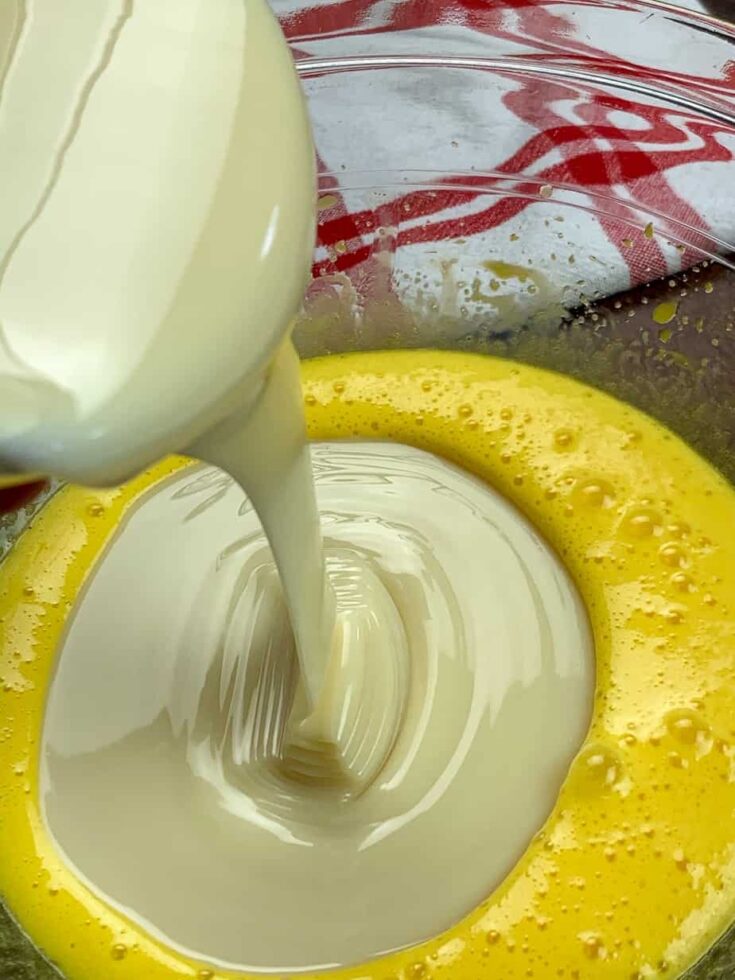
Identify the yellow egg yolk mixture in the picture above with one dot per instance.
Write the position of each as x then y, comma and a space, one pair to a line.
633, 875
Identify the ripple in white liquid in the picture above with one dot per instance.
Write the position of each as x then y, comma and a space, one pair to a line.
170, 780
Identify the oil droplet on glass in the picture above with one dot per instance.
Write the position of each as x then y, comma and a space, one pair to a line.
325, 203
665, 312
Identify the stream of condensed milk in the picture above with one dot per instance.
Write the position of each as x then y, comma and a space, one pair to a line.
284, 712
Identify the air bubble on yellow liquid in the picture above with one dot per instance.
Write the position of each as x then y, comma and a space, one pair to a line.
682, 582
689, 729
642, 522
673, 555
597, 768
595, 493
594, 948
564, 439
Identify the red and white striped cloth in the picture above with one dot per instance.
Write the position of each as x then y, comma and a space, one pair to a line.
619, 144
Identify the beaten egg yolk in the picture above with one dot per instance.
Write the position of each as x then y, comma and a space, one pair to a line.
633, 874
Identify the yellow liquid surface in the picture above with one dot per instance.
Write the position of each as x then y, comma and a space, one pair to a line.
633, 874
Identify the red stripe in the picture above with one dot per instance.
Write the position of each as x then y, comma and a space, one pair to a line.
587, 161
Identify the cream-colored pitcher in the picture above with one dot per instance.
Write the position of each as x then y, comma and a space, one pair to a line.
156, 225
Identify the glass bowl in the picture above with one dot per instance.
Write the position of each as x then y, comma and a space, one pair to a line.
532, 180
548, 181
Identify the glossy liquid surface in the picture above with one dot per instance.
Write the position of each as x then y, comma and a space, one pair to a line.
637, 519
